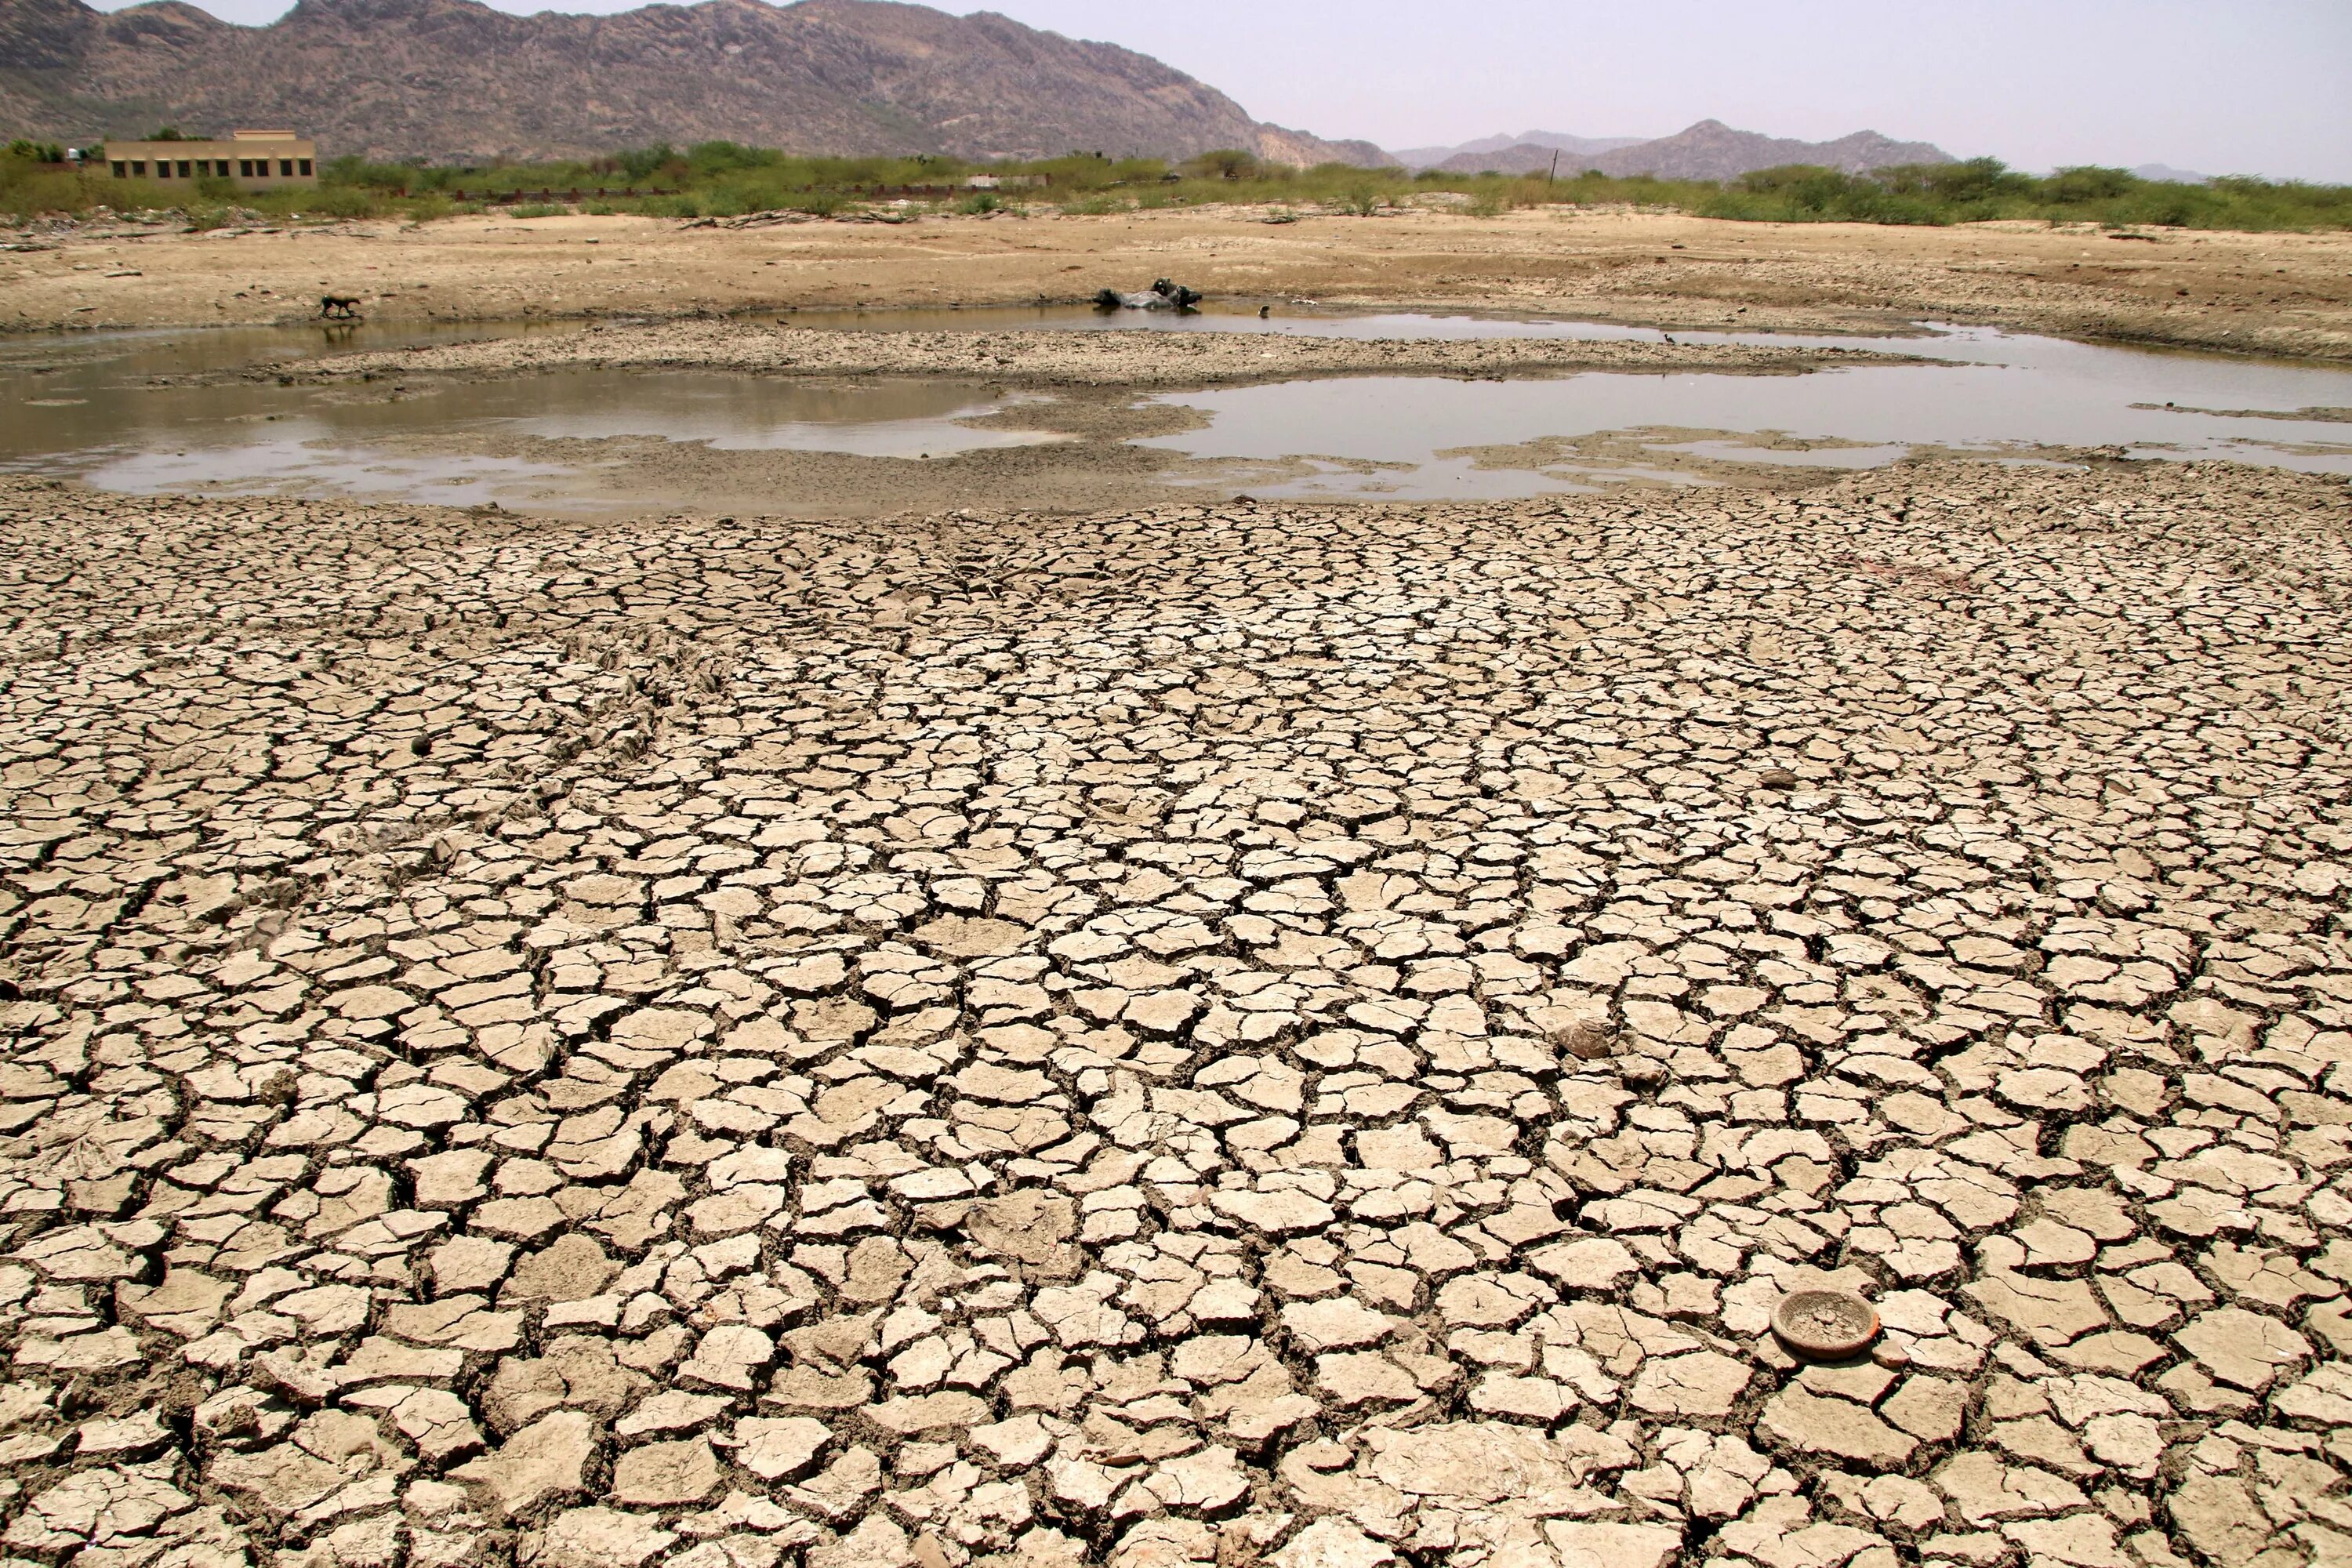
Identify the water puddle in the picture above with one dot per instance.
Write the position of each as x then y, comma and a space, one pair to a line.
114, 359
86, 410
899, 417
586, 440
293, 466
1995, 394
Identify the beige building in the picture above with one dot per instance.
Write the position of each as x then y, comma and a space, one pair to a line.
258, 160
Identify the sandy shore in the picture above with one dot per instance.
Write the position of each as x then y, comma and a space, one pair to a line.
1221, 1034
2267, 293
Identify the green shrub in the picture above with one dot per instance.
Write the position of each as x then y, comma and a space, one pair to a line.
1226, 164
641, 164
2074, 186
705, 159
336, 201
729, 178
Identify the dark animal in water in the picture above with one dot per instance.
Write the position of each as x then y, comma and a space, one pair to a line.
1162, 296
1264, 311
339, 307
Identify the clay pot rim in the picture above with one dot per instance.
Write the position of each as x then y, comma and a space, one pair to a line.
1817, 1350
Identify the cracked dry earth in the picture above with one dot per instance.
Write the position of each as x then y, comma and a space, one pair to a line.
1223, 1035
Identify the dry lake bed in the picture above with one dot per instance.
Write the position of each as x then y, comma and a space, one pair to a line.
1196, 1030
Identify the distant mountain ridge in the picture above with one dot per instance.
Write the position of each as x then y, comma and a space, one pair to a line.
455, 81
1569, 146
1709, 150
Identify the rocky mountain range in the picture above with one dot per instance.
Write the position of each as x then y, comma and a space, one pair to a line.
455, 81
1709, 150
1569, 147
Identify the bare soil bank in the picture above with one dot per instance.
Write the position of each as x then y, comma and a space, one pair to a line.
2289, 294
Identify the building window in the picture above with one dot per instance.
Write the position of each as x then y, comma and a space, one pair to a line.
306, 167
244, 168
121, 169
184, 168
286, 167
138, 168
163, 168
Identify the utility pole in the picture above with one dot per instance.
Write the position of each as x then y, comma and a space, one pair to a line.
1555, 169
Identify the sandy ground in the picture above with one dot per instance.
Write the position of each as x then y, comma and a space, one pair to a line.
1225, 1033
2270, 293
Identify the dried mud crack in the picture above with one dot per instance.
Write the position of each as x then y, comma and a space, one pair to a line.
1196, 1035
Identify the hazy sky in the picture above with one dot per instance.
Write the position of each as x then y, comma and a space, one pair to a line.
2218, 86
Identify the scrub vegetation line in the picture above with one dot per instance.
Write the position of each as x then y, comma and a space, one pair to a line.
726, 179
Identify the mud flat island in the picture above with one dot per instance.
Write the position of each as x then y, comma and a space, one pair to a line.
2267, 293
1143, 360
1192, 1035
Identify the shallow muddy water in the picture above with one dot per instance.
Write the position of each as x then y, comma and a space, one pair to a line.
1996, 396
584, 440
89, 414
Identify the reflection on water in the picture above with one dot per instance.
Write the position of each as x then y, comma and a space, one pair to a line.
1996, 395
898, 417
84, 408
128, 357
295, 467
